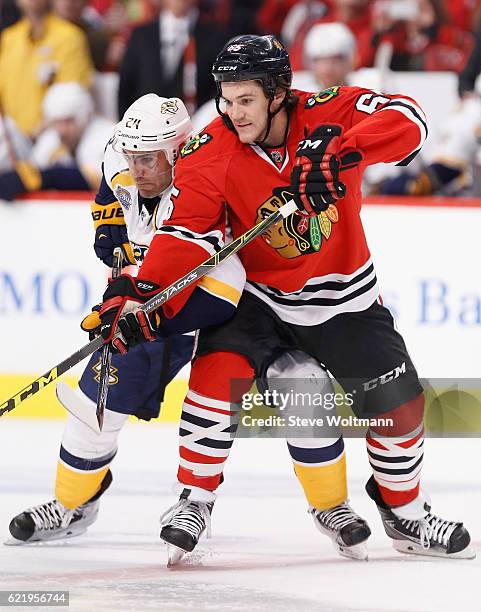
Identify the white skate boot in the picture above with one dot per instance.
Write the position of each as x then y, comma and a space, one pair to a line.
52, 521
184, 523
347, 530
414, 530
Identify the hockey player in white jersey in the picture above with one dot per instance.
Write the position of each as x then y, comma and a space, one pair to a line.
134, 198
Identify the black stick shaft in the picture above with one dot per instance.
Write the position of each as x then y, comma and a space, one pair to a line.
106, 357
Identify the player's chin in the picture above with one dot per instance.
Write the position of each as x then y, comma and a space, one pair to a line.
147, 191
246, 134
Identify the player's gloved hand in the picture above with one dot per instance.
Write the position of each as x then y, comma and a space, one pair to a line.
315, 176
110, 232
91, 323
120, 312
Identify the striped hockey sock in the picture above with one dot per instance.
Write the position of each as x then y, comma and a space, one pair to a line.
396, 457
206, 427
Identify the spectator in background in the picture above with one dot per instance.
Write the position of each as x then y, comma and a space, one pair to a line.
77, 12
9, 13
471, 70
271, 15
14, 145
68, 154
39, 50
464, 14
454, 162
419, 33
171, 56
119, 17
449, 168
355, 14
329, 50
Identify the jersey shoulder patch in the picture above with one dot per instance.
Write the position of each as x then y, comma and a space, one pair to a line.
214, 140
322, 97
195, 143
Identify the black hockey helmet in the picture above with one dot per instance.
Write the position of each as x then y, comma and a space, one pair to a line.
250, 57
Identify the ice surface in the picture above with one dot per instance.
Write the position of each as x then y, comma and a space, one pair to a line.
265, 553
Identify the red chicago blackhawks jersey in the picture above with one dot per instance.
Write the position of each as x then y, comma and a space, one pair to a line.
306, 269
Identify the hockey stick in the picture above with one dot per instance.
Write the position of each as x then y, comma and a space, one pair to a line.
106, 359
201, 270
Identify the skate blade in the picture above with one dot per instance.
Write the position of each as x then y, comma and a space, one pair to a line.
14, 542
63, 536
409, 548
357, 551
69, 400
174, 555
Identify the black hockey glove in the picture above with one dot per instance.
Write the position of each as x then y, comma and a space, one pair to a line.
315, 176
110, 232
120, 312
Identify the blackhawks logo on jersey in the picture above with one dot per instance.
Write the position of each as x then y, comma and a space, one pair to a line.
322, 97
193, 145
297, 235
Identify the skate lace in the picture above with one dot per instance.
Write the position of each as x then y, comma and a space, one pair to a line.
431, 530
51, 515
188, 515
338, 517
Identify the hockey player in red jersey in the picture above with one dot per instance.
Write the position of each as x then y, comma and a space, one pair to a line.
311, 283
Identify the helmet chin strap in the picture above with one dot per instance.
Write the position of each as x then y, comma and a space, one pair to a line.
270, 117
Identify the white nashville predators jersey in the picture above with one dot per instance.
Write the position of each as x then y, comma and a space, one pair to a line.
225, 282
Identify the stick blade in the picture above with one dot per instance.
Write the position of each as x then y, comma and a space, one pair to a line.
73, 404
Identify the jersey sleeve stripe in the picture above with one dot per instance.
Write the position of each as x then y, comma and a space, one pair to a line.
210, 242
414, 114
219, 289
416, 110
122, 178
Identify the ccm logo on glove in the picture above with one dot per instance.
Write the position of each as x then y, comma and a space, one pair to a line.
120, 312
315, 176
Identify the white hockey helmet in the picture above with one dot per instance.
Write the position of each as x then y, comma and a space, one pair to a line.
66, 101
329, 39
153, 123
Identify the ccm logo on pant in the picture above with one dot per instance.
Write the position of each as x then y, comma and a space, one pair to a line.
385, 378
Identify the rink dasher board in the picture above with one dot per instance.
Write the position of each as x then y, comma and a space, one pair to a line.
425, 252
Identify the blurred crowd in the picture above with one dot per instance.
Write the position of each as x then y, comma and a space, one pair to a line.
54, 54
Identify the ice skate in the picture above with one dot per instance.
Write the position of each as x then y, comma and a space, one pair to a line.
184, 523
414, 530
52, 521
347, 530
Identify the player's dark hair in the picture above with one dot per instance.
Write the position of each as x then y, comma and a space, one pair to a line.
255, 58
